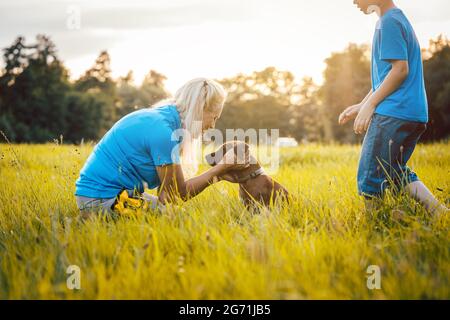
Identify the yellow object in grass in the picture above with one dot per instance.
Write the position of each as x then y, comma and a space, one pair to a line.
128, 206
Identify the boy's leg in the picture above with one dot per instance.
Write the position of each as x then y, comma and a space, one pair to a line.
411, 183
370, 178
375, 154
422, 194
388, 146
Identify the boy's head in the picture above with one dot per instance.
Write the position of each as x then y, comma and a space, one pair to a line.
370, 6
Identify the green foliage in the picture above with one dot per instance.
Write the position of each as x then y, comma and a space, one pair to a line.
346, 82
317, 247
33, 97
101, 88
85, 119
132, 98
260, 101
38, 103
437, 80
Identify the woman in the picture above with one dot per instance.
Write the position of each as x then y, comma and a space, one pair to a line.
142, 148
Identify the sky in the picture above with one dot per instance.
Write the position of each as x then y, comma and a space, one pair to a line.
185, 39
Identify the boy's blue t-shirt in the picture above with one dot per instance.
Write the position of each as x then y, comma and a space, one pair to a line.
395, 39
128, 154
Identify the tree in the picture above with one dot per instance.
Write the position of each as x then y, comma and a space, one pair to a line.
98, 77
437, 80
15, 59
84, 120
260, 100
98, 80
346, 82
153, 88
32, 91
305, 112
132, 98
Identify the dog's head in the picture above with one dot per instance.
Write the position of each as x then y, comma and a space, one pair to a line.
256, 191
240, 149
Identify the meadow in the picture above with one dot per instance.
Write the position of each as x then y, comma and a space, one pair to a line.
317, 247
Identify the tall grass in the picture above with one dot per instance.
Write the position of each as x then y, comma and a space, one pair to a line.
317, 247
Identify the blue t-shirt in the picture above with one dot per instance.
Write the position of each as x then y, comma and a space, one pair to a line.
395, 39
128, 154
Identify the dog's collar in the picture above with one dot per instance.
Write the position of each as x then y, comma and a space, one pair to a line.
252, 175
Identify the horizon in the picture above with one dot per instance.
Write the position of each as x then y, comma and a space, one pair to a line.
195, 38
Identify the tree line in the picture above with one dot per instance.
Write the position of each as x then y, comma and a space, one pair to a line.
38, 101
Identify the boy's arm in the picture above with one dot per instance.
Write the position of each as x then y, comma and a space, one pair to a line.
391, 83
366, 98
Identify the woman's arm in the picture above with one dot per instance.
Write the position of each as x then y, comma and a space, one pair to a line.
174, 186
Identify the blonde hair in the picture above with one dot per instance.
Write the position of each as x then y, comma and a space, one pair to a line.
191, 101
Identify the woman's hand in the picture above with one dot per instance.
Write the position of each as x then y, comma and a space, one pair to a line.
233, 177
349, 114
230, 177
363, 119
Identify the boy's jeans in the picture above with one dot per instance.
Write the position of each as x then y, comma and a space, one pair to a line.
387, 147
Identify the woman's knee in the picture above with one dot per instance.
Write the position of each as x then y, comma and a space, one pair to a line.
87, 206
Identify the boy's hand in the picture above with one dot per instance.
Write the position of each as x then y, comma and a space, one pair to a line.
363, 119
349, 113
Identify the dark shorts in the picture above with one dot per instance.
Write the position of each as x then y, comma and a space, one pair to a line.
387, 147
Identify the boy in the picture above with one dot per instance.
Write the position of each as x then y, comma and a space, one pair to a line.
395, 112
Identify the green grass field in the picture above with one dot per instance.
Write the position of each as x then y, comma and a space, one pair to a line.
318, 247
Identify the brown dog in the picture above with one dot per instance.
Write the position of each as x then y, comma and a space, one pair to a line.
254, 184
